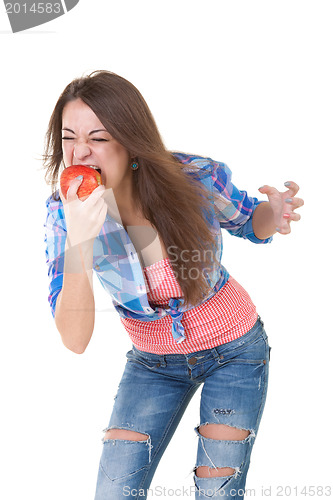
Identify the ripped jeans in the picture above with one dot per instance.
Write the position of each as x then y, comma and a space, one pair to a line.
152, 396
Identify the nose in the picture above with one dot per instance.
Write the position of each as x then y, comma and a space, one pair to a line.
81, 151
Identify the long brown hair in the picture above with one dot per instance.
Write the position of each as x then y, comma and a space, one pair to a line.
171, 199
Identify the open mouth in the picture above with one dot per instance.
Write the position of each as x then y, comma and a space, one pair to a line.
86, 165
96, 168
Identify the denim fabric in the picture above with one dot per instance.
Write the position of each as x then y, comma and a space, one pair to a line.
152, 396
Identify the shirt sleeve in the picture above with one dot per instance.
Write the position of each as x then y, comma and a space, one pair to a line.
55, 239
233, 208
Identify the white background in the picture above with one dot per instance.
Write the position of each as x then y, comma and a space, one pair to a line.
246, 83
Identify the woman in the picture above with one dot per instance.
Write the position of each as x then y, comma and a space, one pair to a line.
152, 234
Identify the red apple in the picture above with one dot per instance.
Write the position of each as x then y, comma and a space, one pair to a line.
91, 179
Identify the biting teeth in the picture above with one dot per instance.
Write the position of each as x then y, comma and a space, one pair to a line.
95, 168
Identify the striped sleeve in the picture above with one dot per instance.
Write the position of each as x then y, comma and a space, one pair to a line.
234, 208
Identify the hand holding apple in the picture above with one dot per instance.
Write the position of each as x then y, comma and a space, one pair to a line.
84, 219
91, 180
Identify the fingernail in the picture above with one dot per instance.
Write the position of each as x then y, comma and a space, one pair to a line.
289, 200
287, 184
79, 177
286, 216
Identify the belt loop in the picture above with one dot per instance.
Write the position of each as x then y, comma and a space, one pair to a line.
163, 360
215, 353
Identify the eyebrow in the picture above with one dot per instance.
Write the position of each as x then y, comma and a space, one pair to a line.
92, 132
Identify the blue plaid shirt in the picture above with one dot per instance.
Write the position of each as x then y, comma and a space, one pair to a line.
115, 259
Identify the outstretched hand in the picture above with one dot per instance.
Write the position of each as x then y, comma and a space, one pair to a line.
283, 205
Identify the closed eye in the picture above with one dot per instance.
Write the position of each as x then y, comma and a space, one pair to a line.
72, 138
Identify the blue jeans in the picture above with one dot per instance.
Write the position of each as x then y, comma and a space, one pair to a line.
152, 396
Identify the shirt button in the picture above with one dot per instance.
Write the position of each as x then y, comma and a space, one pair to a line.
192, 361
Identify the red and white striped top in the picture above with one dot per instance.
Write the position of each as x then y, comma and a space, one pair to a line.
226, 316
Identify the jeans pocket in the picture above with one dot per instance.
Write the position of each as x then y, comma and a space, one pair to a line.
134, 357
255, 338
254, 351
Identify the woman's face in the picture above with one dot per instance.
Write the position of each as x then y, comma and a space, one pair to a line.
86, 142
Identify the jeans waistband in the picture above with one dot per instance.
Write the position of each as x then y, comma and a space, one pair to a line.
215, 352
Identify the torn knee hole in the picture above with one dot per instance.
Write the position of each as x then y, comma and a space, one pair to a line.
125, 435
204, 471
223, 432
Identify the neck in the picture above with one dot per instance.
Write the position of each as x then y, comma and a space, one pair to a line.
126, 205
124, 197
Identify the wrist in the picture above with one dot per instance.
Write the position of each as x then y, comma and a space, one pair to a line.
78, 257
263, 222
